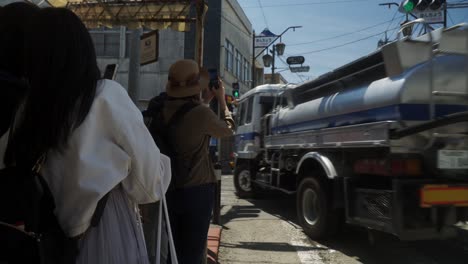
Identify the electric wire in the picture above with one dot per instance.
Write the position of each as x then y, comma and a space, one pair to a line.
263, 12
284, 63
307, 4
450, 17
343, 44
389, 24
343, 35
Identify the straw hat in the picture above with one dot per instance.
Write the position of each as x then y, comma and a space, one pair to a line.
186, 79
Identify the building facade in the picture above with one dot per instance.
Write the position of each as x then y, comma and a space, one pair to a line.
278, 78
227, 44
228, 47
113, 47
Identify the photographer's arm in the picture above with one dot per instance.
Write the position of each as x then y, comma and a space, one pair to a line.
214, 126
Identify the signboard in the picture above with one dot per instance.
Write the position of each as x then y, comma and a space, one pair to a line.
149, 48
431, 16
264, 39
295, 60
300, 69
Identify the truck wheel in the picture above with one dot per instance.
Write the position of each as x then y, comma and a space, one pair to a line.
313, 209
243, 181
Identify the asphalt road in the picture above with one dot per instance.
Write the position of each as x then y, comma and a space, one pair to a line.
265, 230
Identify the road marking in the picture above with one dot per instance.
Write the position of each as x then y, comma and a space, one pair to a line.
299, 242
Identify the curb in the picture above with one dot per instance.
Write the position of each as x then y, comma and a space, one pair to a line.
214, 238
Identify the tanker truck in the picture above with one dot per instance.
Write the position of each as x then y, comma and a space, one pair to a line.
381, 142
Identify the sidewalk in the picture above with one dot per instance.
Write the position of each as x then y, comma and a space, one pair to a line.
214, 238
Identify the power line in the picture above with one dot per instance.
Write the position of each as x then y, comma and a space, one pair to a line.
385, 33
393, 18
236, 26
306, 4
282, 60
341, 45
453, 23
263, 13
343, 35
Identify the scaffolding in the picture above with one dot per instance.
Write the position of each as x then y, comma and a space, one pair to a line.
134, 14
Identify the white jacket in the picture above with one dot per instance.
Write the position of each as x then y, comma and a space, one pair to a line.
111, 146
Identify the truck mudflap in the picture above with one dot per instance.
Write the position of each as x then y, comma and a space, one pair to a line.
408, 208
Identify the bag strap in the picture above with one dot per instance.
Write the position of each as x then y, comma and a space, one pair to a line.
180, 113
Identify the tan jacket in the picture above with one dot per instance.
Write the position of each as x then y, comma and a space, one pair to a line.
193, 136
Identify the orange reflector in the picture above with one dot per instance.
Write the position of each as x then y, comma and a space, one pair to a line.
432, 195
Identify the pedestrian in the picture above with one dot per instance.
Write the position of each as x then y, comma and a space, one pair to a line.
93, 138
191, 200
13, 20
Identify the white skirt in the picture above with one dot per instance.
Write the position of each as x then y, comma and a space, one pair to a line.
118, 239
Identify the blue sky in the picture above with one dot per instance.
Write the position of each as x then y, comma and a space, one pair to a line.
321, 19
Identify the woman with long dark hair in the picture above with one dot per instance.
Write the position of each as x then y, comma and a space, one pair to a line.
93, 137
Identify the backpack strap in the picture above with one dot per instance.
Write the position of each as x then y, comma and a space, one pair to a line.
180, 113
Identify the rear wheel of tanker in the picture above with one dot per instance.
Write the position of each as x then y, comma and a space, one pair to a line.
243, 181
314, 211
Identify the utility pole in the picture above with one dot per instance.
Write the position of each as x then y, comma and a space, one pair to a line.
273, 65
252, 84
134, 66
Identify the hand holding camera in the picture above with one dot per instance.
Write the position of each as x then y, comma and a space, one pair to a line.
216, 85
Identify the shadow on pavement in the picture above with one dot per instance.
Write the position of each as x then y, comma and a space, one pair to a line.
271, 246
354, 241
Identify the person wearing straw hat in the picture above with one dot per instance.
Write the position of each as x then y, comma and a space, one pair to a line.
191, 202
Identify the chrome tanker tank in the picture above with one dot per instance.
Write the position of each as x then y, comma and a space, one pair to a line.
379, 88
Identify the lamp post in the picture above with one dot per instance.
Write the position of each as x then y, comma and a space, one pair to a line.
278, 48
269, 60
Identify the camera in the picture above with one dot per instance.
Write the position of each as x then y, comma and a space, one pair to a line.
214, 79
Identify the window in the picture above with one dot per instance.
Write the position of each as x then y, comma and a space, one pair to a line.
241, 113
238, 72
248, 118
229, 61
107, 44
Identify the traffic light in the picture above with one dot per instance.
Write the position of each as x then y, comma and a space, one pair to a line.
235, 90
437, 4
423, 4
409, 6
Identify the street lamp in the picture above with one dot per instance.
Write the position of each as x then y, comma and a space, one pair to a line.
280, 48
269, 60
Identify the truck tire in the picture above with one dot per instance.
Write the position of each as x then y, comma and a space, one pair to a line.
243, 181
314, 212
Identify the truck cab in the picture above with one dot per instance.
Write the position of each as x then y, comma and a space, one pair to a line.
253, 112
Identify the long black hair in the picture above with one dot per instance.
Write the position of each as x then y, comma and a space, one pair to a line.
62, 72
13, 22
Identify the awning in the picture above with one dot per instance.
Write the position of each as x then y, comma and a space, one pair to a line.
152, 14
